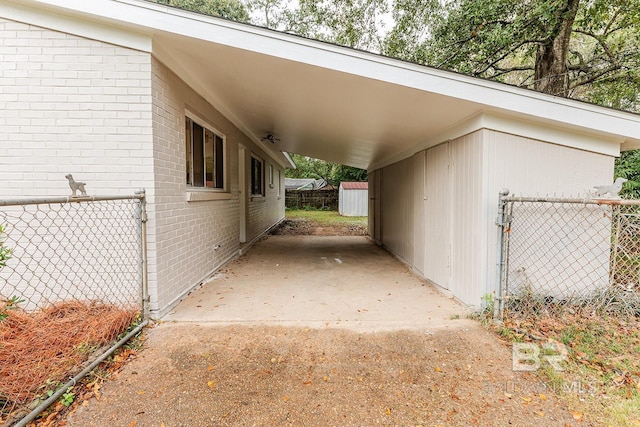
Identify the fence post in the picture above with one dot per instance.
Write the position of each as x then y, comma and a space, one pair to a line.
616, 215
143, 255
501, 221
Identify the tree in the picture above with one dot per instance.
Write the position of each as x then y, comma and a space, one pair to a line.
414, 20
333, 173
585, 49
353, 23
272, 14
229, 9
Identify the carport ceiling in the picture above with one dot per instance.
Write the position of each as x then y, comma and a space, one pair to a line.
353, 107
327, 101
322, 113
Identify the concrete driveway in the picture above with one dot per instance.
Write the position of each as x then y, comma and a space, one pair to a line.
319, 281
272, 347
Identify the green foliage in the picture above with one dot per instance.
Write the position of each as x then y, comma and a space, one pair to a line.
5, 253
229, 9
68, 397
628, 166
333, 173
591, 48
353, 23
271, 13
9, 304
409, 37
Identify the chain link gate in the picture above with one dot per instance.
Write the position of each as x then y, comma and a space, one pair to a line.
72, 290
560, 254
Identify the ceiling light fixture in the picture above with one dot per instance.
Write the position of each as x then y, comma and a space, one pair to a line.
272, 139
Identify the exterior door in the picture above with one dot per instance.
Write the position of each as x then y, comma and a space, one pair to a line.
375, 199
437, 208
242, 185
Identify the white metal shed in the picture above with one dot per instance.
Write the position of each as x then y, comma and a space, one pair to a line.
353, 198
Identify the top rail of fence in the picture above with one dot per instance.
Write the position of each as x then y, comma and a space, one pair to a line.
68, 199
585, 201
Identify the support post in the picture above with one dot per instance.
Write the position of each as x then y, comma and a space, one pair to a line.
501, 222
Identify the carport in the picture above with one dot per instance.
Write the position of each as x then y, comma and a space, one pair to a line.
439, 146
319, 281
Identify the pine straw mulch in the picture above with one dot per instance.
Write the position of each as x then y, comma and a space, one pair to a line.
40, 350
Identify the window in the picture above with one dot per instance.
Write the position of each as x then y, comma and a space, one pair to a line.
205, 156
257, 180
270, 176
279, 183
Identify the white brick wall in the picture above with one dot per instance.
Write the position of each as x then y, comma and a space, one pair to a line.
114, 118
72, 105
264, 212
186, 232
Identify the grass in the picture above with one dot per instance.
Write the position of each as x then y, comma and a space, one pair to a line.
327, 218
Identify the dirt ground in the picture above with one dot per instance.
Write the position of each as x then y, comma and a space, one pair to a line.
209, 374
271, 376
302, 226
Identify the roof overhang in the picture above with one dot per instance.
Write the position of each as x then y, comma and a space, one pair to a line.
327, 101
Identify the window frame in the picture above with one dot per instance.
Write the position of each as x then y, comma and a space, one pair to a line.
261, 175
219, 143
279, 184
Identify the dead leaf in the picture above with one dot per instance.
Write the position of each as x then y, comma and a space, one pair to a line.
576, 415
133, 424
210, 368
325, 378
542, 396
388, 411
211, 384
437, 369
540, 414
509, 395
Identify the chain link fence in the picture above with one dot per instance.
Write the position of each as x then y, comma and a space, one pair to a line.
561, 254
72, 285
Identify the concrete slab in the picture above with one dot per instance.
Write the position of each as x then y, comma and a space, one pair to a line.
318, 282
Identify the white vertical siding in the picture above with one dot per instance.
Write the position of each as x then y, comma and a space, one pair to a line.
397, 212
437, 217
438, 208
352, 202
528, 167
466, 216
419, 209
